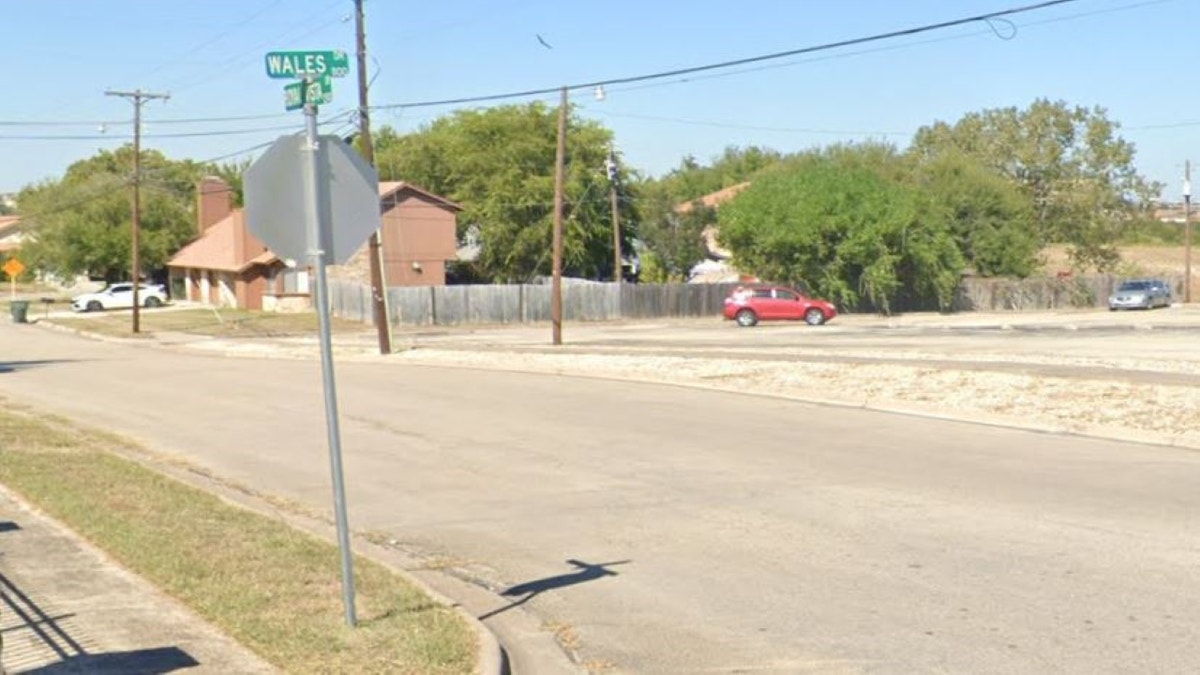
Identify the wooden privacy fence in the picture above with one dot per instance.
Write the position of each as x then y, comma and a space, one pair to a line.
979, 294
492, 304
485, 304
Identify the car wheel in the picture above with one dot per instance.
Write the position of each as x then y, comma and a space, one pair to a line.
94, 306
747, 318
153, 302
814, 317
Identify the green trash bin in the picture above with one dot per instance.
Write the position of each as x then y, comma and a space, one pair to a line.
20, 311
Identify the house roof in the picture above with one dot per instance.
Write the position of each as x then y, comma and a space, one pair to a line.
216, 249
10, 229
714, 198
9, 224
389, 188
1171, 214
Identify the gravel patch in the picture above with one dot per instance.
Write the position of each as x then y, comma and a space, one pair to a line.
1155, 413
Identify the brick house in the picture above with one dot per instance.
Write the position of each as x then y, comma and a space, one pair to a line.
419, 235
228, 266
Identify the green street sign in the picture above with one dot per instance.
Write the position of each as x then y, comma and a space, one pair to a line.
297, 65
318, 91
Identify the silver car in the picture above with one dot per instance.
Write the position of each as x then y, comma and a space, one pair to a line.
1140, 294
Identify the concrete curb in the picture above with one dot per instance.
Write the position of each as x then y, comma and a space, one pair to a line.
492, 659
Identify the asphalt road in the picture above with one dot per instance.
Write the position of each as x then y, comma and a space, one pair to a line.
743, 534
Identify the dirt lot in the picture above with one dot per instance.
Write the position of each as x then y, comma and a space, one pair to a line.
1130, 375
1136, 261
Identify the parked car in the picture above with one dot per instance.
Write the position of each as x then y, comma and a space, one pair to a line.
1140, 294
749, 305
120, 296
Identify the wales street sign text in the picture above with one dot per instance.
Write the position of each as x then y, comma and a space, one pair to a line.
298, 65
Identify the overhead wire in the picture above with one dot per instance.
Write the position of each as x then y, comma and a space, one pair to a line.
916, 30
220, 69
216, 38
554, 90
105, 188
746, 127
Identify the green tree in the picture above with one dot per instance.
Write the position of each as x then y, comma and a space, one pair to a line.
498, 164
674, 241
992, 221
1074, 168
80, 224
233, 173
840, 222
691, 180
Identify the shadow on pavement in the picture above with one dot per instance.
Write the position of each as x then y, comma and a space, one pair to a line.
141, 662
50, 637
531, 589
11, 366
8, 526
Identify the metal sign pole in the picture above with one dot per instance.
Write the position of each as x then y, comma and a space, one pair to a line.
318, 216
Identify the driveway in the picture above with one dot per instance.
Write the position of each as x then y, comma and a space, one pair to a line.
672, 530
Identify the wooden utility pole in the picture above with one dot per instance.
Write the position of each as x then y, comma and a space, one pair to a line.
560, 161
1187, 231
618, 269
379, 307
138, 97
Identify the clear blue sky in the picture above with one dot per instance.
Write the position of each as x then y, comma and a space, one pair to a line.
1136, 58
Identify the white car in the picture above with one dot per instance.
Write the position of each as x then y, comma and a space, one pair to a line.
120, 296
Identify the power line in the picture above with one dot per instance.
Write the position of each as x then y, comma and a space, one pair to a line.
193, 134
737, 62
151, 120
555, 90
875, 50
188, 134
221, 69
747, 127
213, 40
104, 187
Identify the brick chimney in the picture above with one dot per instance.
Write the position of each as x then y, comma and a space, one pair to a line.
214, 202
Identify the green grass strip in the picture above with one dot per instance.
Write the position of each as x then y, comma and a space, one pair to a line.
271, 587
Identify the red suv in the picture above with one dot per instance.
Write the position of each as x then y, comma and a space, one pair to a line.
749, 305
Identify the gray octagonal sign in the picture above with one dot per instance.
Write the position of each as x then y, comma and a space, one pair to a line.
277, 206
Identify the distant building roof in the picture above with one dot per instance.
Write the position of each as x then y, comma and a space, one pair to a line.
388, 188
217, 248
10, 233
1172, 214
713, 199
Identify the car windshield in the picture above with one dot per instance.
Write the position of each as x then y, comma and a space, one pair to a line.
1133, 286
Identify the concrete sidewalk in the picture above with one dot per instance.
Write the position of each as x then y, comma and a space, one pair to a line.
65, 607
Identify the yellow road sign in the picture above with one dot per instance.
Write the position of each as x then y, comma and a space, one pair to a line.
13, 267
